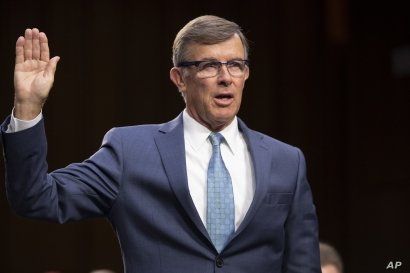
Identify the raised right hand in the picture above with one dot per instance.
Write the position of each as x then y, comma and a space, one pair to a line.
33, 74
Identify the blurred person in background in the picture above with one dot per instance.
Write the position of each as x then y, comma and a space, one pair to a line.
330, 260
102, 271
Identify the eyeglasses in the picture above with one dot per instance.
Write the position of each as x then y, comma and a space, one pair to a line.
209, 69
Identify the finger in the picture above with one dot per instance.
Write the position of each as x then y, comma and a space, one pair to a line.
44, 51
28, 45
36, 44
20, 50
51, 67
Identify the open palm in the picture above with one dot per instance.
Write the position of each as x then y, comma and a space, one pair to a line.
34, 70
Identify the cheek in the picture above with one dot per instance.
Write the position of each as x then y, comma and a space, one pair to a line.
201, 94
197, 97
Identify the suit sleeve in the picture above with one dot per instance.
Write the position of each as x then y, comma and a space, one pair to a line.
301, 228
78, 191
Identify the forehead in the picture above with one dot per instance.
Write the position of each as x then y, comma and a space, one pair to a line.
224, 51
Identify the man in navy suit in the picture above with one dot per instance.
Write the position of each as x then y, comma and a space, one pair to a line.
201, 193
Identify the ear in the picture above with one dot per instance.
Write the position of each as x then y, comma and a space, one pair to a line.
176, 77
247, 73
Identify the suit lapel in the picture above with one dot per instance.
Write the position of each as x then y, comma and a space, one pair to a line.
261, 165
171, 146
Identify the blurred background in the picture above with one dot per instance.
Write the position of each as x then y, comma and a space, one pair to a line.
329, 76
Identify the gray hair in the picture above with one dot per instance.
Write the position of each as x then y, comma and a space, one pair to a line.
329, 256
208, 30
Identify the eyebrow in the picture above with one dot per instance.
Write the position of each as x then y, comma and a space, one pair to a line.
216, 60
209, 59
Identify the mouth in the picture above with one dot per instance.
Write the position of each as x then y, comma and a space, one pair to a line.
223, 99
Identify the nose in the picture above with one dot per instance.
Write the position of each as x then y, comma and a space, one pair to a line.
224, 77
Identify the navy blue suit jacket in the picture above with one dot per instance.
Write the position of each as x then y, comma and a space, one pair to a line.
138, 181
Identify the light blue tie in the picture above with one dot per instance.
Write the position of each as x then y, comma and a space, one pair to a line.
220, 218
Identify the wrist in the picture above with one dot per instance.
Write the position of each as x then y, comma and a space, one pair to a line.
26, 111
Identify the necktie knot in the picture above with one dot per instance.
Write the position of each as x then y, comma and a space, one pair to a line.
216, 138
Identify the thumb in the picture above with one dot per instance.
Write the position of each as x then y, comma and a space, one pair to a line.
51, 66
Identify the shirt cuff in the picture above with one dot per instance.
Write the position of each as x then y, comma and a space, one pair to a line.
17, 125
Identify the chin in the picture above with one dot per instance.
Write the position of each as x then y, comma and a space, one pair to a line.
224, 118
225, 112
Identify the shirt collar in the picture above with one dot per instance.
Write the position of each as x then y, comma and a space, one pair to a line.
197, 134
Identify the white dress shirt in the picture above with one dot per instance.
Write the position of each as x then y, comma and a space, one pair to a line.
237, 159
198, 151
17, 125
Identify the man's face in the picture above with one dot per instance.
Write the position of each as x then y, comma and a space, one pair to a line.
213, 101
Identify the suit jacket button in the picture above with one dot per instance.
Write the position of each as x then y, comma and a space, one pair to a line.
219, 262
